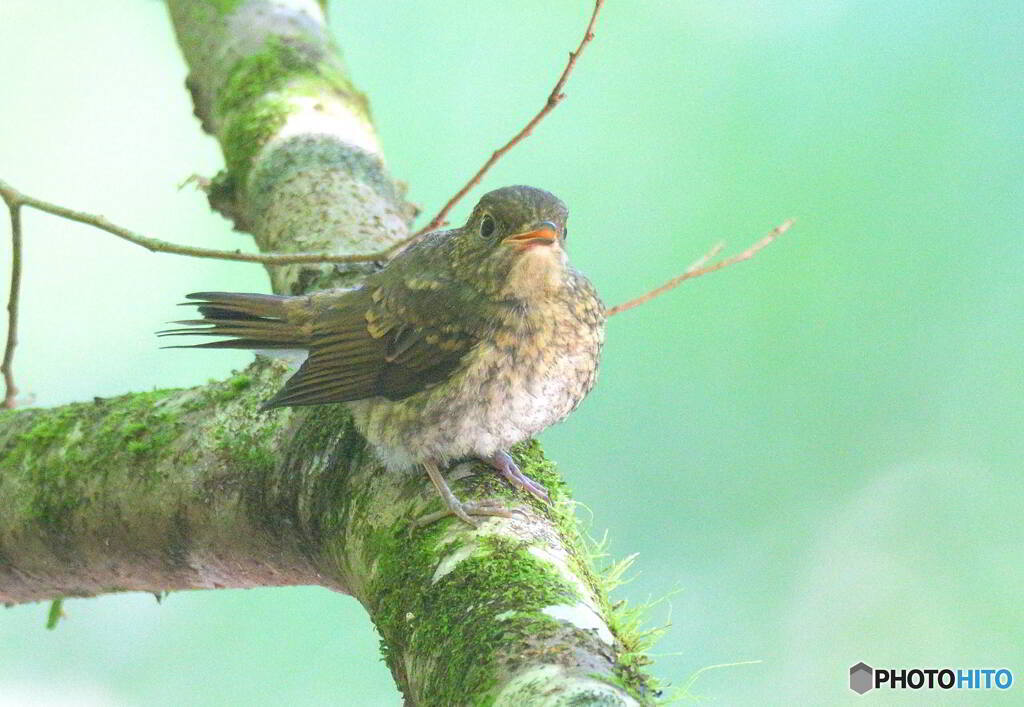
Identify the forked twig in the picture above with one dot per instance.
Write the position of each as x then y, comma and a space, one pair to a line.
699, 268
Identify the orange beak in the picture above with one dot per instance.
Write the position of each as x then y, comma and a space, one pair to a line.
547, 234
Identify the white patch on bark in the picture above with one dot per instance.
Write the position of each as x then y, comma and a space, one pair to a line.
451, 561
309, 115
581, 616
556, 556
252, 23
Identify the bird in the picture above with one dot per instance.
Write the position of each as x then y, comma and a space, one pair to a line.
464, 344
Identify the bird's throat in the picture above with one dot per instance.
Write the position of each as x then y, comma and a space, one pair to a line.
537, 272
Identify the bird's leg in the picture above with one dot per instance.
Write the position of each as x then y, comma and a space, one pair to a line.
509, 470
455, 506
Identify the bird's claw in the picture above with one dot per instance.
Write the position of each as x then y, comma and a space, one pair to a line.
466, 511
455, 507
510, 471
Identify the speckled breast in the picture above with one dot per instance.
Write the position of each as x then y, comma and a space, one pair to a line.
531, 372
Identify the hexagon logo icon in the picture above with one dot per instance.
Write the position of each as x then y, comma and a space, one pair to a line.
861, 678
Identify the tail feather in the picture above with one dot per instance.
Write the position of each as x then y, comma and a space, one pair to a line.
252, 321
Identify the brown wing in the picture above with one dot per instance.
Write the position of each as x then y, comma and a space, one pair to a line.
376, 341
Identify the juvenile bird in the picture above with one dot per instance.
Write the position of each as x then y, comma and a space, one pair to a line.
472, 340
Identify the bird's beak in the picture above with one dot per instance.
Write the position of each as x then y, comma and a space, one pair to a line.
546, 233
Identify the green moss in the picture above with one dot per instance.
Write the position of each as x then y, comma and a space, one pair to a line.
137, 426
244, 134
398, 591
530, 456
305, 492
485, 483
333, 503
561, 510
254, 76
49, 426
257, 383
226, 391
225, 7
66, 452
252, 104
626, 623
246, 435
419, 618
252, 450
279, 63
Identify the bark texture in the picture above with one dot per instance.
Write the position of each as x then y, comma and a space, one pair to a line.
198, 489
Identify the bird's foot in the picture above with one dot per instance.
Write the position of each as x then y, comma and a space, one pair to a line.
509, 470
466, 511
455, 507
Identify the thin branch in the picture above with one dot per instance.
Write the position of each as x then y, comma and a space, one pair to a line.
699, 268
156, 245
554, 98
13, 196
10, 389
702, 260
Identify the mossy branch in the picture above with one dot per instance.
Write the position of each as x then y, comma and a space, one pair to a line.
144, 492
198, 488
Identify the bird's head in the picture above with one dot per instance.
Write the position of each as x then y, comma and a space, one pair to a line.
513, 244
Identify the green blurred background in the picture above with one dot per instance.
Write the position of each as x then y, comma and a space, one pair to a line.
819, 451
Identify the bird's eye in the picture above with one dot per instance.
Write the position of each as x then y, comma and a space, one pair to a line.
487, 226
565, 232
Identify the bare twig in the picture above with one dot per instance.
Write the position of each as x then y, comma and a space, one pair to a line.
12, 195
702, 260
699, 268
554, 98
158, 246
10, 389
15, 200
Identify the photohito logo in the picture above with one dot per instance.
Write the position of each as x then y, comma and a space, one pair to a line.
863, 678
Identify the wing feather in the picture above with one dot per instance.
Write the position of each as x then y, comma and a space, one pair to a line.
380, 340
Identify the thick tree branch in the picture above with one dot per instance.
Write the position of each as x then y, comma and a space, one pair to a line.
151, 491
197, 488
304, 173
